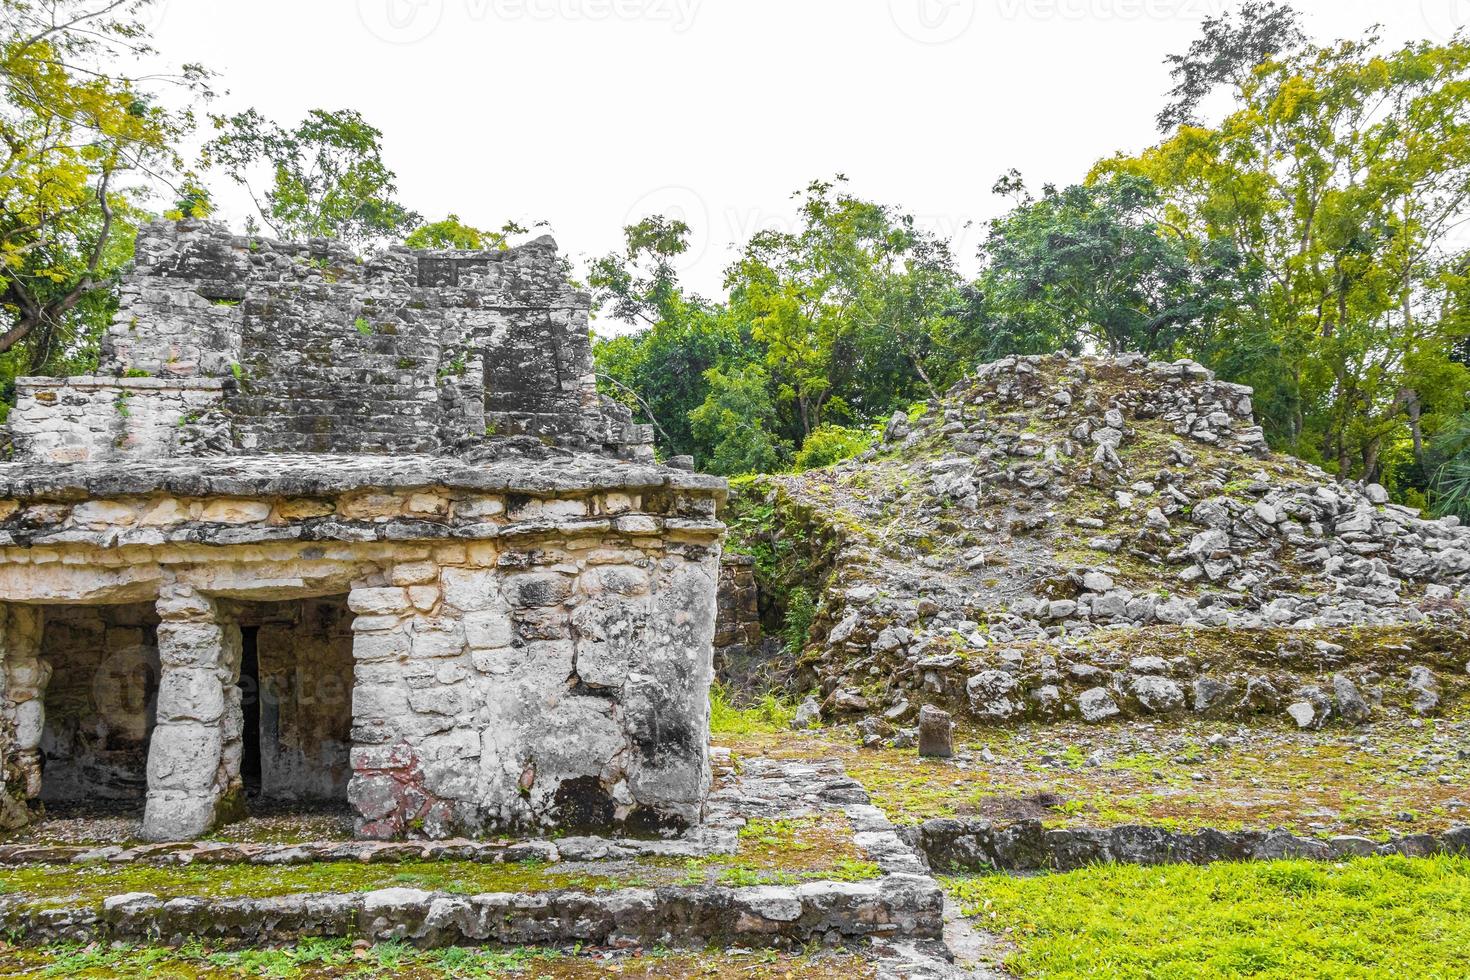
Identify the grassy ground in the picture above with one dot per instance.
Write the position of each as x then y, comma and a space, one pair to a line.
771, 852
1381, 781
342, 959
1375, 917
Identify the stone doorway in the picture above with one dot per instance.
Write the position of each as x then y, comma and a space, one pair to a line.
100, 704
296, 672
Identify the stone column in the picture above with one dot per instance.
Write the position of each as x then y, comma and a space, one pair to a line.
194, 754
25, 678
385, 776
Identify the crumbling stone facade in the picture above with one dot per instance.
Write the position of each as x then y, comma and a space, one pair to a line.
233, 342
263, 495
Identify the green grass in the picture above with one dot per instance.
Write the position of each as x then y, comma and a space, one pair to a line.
769, 715
310, 957
1372, 917
343, 958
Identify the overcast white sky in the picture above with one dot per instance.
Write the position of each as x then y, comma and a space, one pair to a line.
590, 114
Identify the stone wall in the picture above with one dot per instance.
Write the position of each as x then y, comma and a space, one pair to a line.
73, 420
745, 658
531, 639
404, 351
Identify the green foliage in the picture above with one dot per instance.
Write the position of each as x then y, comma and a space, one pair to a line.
1371, 917
660, 371
830, 444
735, 419
832, 325
307, 957
84, 138
769, 715
362, 326
326, 178
851, 308
1092, 266
801, 609
452, 233
1337, 176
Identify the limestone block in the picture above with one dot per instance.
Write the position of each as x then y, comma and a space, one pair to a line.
188, 644
479, 507
438, 638
380, 646
538, 589
427, 504
184, 756
471, 589
190, 694
378, 701
29, 720
104, 512
171, 816
617, 580
296, 510
227, 511
488, 630
414, 573
379, 601
443, 700
177, 602
618, 503
370, 506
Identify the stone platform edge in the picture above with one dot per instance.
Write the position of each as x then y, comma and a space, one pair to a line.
958, 845
894, 906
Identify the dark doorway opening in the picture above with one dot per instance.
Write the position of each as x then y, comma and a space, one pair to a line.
250, 709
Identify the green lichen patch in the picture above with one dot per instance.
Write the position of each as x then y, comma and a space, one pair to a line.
90, 883
805, 848
1379, 782
1374, 917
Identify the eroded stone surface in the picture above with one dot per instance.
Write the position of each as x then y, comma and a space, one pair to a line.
521, 603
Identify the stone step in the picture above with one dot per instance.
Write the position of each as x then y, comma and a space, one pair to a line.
896, 906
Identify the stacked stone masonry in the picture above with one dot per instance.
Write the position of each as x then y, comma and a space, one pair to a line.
227, 342
269, 556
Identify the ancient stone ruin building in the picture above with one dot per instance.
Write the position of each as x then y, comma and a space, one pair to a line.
325, 527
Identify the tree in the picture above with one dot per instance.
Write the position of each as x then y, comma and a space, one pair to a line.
83, 142
1094, 264
327, 175
660, 371
453, 233
1228, 49
736, 419
848, 306
640, 284
1337, 177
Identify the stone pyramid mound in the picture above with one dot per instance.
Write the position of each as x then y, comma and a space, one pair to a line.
1094, 536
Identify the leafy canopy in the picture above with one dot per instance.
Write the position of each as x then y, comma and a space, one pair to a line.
327, 178
82, 144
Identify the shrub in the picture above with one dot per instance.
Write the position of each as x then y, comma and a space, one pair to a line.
828, 444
